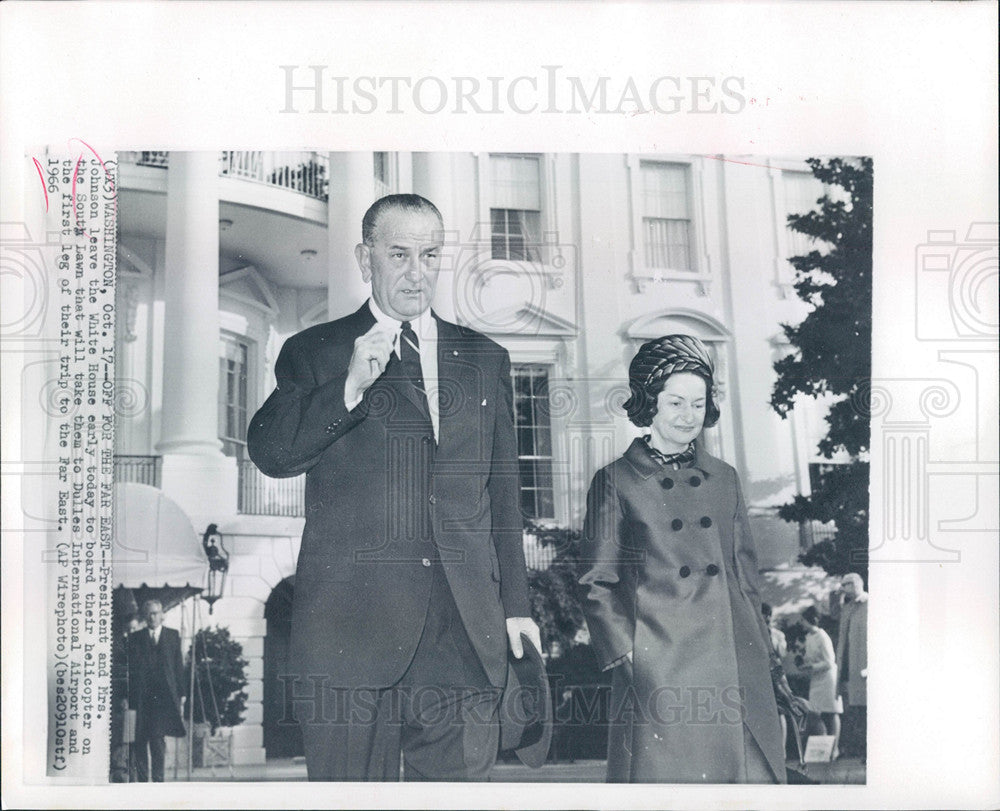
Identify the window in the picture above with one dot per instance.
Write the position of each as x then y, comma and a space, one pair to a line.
534, 439
666, 217
233, 395
802, 190
515, 207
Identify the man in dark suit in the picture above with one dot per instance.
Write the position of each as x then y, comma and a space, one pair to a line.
411, 579
155, 673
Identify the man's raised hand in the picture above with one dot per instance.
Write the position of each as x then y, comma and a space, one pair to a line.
368, 362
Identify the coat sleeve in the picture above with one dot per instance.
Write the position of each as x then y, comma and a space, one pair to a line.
747, 569
504, 489
609, 603
301, 418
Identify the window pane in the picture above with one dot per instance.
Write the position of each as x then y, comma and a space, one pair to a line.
667, 243
515, 182
515, 234
665, 190
543, 441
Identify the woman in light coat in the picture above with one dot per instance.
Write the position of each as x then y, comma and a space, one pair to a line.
670, 572
819, 664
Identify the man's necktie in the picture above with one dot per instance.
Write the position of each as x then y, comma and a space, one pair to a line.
409, 357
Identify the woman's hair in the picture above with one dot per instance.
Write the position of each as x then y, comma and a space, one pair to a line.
811, 614
655, 361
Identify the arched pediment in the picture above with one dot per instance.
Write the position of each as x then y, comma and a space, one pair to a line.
678, 321
526, 319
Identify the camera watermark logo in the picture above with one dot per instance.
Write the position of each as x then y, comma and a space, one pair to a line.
957, 295
24, 271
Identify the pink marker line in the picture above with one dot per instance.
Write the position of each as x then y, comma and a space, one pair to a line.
41, 176
107, 174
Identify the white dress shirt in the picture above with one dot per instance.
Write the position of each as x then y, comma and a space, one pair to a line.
425, 328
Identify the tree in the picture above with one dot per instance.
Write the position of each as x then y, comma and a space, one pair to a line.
219, 697
831, 355
555, 603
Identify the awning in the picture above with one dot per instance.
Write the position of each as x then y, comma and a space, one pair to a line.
157, 553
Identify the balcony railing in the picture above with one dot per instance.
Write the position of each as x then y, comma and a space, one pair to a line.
138, 469
303, 172
262, 495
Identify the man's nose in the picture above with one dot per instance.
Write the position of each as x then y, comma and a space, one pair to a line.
414, 270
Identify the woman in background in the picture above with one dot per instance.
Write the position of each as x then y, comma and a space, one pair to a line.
819, 663
672, 601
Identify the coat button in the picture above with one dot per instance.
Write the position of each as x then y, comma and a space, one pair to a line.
711, 570
425, 562
426, 440
685, 571
667, 483
706, 522
432, 499
676, 524
694, 481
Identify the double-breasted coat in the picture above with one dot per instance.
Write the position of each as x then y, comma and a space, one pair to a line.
155, 675
383, 499
670, 571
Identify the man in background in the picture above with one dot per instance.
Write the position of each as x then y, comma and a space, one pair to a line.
155, 673
852, 664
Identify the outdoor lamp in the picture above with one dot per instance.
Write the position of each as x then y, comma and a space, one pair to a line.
218, 565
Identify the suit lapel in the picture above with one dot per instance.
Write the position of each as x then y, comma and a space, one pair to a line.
454, 378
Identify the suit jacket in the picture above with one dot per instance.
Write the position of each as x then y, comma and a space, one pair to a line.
155, 675
670, 569
852, 651
383, 501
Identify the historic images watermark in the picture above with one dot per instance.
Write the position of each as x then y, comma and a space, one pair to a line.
322, 89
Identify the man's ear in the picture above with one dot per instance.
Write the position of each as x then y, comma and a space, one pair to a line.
363, 253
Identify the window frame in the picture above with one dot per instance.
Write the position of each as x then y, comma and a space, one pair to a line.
700, 272
546, 195
784, 272
546, 370
223, 405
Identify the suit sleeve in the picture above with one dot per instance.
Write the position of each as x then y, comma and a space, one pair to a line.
178, 664
301, 418
609, 603
504, 489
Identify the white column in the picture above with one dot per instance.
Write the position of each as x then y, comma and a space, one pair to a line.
434, 178
195, 472
352, 191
